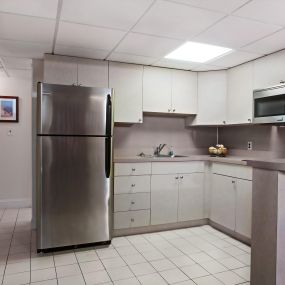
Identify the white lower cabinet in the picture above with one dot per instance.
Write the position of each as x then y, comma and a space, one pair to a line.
164, 199
131, 219
244, 207
231, 203
223, 201
191, 197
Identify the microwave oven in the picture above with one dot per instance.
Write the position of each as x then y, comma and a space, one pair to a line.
269, 105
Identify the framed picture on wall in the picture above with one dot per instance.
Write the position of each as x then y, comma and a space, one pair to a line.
9, 109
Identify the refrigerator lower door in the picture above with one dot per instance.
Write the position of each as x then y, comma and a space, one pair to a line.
75, 199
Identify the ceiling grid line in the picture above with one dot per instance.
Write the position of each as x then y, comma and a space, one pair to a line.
58, 13
149, 7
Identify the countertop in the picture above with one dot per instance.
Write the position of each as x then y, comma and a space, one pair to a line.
229, 159
277, 164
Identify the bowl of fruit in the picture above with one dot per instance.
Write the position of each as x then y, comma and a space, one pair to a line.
218, 150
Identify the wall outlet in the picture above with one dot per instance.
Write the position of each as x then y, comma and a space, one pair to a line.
249, 145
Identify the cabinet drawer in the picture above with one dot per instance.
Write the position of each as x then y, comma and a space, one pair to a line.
239, 171
177, 167
131, 184
130, 202
122, 169
131, 219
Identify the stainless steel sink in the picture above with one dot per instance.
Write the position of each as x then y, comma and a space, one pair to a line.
165, 155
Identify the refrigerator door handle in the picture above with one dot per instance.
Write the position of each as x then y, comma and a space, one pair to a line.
108, 147
109, 116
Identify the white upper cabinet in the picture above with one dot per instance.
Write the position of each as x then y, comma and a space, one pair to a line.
169, 91
212, 98
60, 70
184, 92
93, 73
240, 94
126, 79
269, 70
157, 90
73, 71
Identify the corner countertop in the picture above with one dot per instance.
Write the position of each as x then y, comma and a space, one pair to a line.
277, 164
229, 159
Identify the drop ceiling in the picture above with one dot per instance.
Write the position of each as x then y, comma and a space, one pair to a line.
141, 31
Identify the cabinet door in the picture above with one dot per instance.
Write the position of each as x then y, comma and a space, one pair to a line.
60, 70
243, 207
223, 201
212, 96
184, 92
164, 199
240, 94
191, 197
126, 79
157, 90
93, 73
269, 70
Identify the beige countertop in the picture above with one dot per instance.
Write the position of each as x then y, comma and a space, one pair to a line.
277, 164
230, 159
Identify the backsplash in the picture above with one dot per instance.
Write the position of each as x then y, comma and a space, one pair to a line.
268, 141
131, 140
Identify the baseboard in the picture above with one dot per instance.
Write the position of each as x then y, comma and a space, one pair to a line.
15, 203
159, 228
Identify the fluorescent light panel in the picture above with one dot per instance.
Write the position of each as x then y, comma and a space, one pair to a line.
197, 52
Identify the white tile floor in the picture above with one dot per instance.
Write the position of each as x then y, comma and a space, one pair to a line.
201, 256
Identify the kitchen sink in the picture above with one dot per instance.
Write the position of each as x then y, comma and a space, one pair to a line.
166, 155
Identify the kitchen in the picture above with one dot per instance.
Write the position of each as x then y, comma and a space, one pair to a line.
176, 213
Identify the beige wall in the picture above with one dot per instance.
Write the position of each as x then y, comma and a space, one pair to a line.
15, 150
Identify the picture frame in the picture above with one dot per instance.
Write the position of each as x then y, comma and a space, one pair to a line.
9, 109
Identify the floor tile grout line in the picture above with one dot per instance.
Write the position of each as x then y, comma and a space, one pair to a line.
78, 263
9, 246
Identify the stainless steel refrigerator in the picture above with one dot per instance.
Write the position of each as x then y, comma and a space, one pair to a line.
74, 166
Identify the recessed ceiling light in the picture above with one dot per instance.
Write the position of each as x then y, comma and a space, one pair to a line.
197, 52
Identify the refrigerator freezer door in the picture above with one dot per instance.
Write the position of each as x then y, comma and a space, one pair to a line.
75, 195
74, 110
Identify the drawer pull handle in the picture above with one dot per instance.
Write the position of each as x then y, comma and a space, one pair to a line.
133, 169
181, 177
132, 220
176, 177
132, 202
133, 185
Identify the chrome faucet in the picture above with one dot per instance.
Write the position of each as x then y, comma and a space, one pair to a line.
159, 148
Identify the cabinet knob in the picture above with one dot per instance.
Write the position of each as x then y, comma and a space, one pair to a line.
181, 177
169, 110
173, 110
224, 122
133, 169
133, 202
140, 120
282, 81
249, 120
133, 185
132, 220
233, 182
176, 177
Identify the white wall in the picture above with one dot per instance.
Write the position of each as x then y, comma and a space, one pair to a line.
15, 150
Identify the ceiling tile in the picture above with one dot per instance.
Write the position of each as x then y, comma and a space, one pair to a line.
115, 14
20, 73
23, 49
271, 12
175, 20
235, 58
37, 8
130, 58
235, 32
81, 52
226, 6
165, 62
148, 46
24, 28
207, 67
84, 36
17, 63
269, 44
